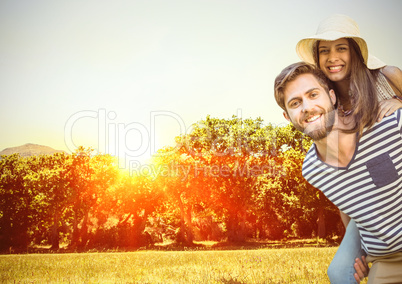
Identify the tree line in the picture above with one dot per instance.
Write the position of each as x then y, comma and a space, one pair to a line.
227, 180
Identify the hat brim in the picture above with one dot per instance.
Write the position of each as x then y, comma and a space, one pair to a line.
374, 63
304, 48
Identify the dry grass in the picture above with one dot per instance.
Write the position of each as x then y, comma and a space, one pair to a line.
297, 265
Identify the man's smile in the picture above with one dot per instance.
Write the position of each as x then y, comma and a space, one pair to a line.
313, 118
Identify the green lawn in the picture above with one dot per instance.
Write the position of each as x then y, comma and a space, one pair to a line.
297, 265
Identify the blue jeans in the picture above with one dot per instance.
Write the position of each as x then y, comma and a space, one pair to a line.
341, 269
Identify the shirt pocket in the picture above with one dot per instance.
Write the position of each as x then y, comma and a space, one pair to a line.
382, 170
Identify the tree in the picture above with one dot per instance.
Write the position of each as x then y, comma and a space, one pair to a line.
229, 155
228, 178
183, 188
136, 198
15, 203
303, 207
91, 178
49, 177
82, 198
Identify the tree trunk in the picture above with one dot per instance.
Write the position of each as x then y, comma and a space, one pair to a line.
321, 233
236, 229
6, 232
55, 231
181, 236
185, 235
139, 238
75, 238
84, 230
189, 226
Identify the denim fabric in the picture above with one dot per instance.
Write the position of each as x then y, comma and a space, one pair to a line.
341, 269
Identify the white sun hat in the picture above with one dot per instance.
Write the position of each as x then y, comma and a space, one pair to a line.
334, 28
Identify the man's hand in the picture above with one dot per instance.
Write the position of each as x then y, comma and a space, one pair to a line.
361, 268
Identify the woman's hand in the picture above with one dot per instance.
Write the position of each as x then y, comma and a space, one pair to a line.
362, 269
387, 107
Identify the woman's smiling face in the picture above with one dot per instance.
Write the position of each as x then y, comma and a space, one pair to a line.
334, 59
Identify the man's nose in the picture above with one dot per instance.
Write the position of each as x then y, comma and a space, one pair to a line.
307, 106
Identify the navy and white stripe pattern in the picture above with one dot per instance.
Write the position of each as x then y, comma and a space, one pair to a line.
369, 189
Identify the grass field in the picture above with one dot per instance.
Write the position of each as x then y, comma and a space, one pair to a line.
297, 265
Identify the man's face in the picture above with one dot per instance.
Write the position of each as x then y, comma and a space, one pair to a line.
309, 107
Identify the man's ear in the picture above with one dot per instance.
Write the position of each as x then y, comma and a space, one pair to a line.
285, 114
332, 96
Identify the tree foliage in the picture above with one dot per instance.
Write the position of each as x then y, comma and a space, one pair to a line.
226, 180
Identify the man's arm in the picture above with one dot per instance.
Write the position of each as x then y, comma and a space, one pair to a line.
360, 265
345, 219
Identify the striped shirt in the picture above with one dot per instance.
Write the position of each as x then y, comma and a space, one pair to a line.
369, 189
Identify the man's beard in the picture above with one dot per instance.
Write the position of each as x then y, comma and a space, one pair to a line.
321, 133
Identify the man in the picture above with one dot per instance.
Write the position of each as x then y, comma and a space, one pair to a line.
362, 175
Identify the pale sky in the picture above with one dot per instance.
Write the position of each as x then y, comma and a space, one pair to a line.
126, 77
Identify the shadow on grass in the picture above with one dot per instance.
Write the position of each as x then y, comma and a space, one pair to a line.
196, 246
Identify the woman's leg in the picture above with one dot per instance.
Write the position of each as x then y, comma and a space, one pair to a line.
341, 269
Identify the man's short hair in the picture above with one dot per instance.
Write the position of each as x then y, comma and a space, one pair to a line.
290, 73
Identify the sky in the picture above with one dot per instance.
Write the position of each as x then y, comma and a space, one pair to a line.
126, 77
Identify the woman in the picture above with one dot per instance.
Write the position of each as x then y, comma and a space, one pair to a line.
364, 85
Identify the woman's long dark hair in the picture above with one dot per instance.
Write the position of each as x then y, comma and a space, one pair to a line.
362, 89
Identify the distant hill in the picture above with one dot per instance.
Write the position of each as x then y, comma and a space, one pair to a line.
29, 149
